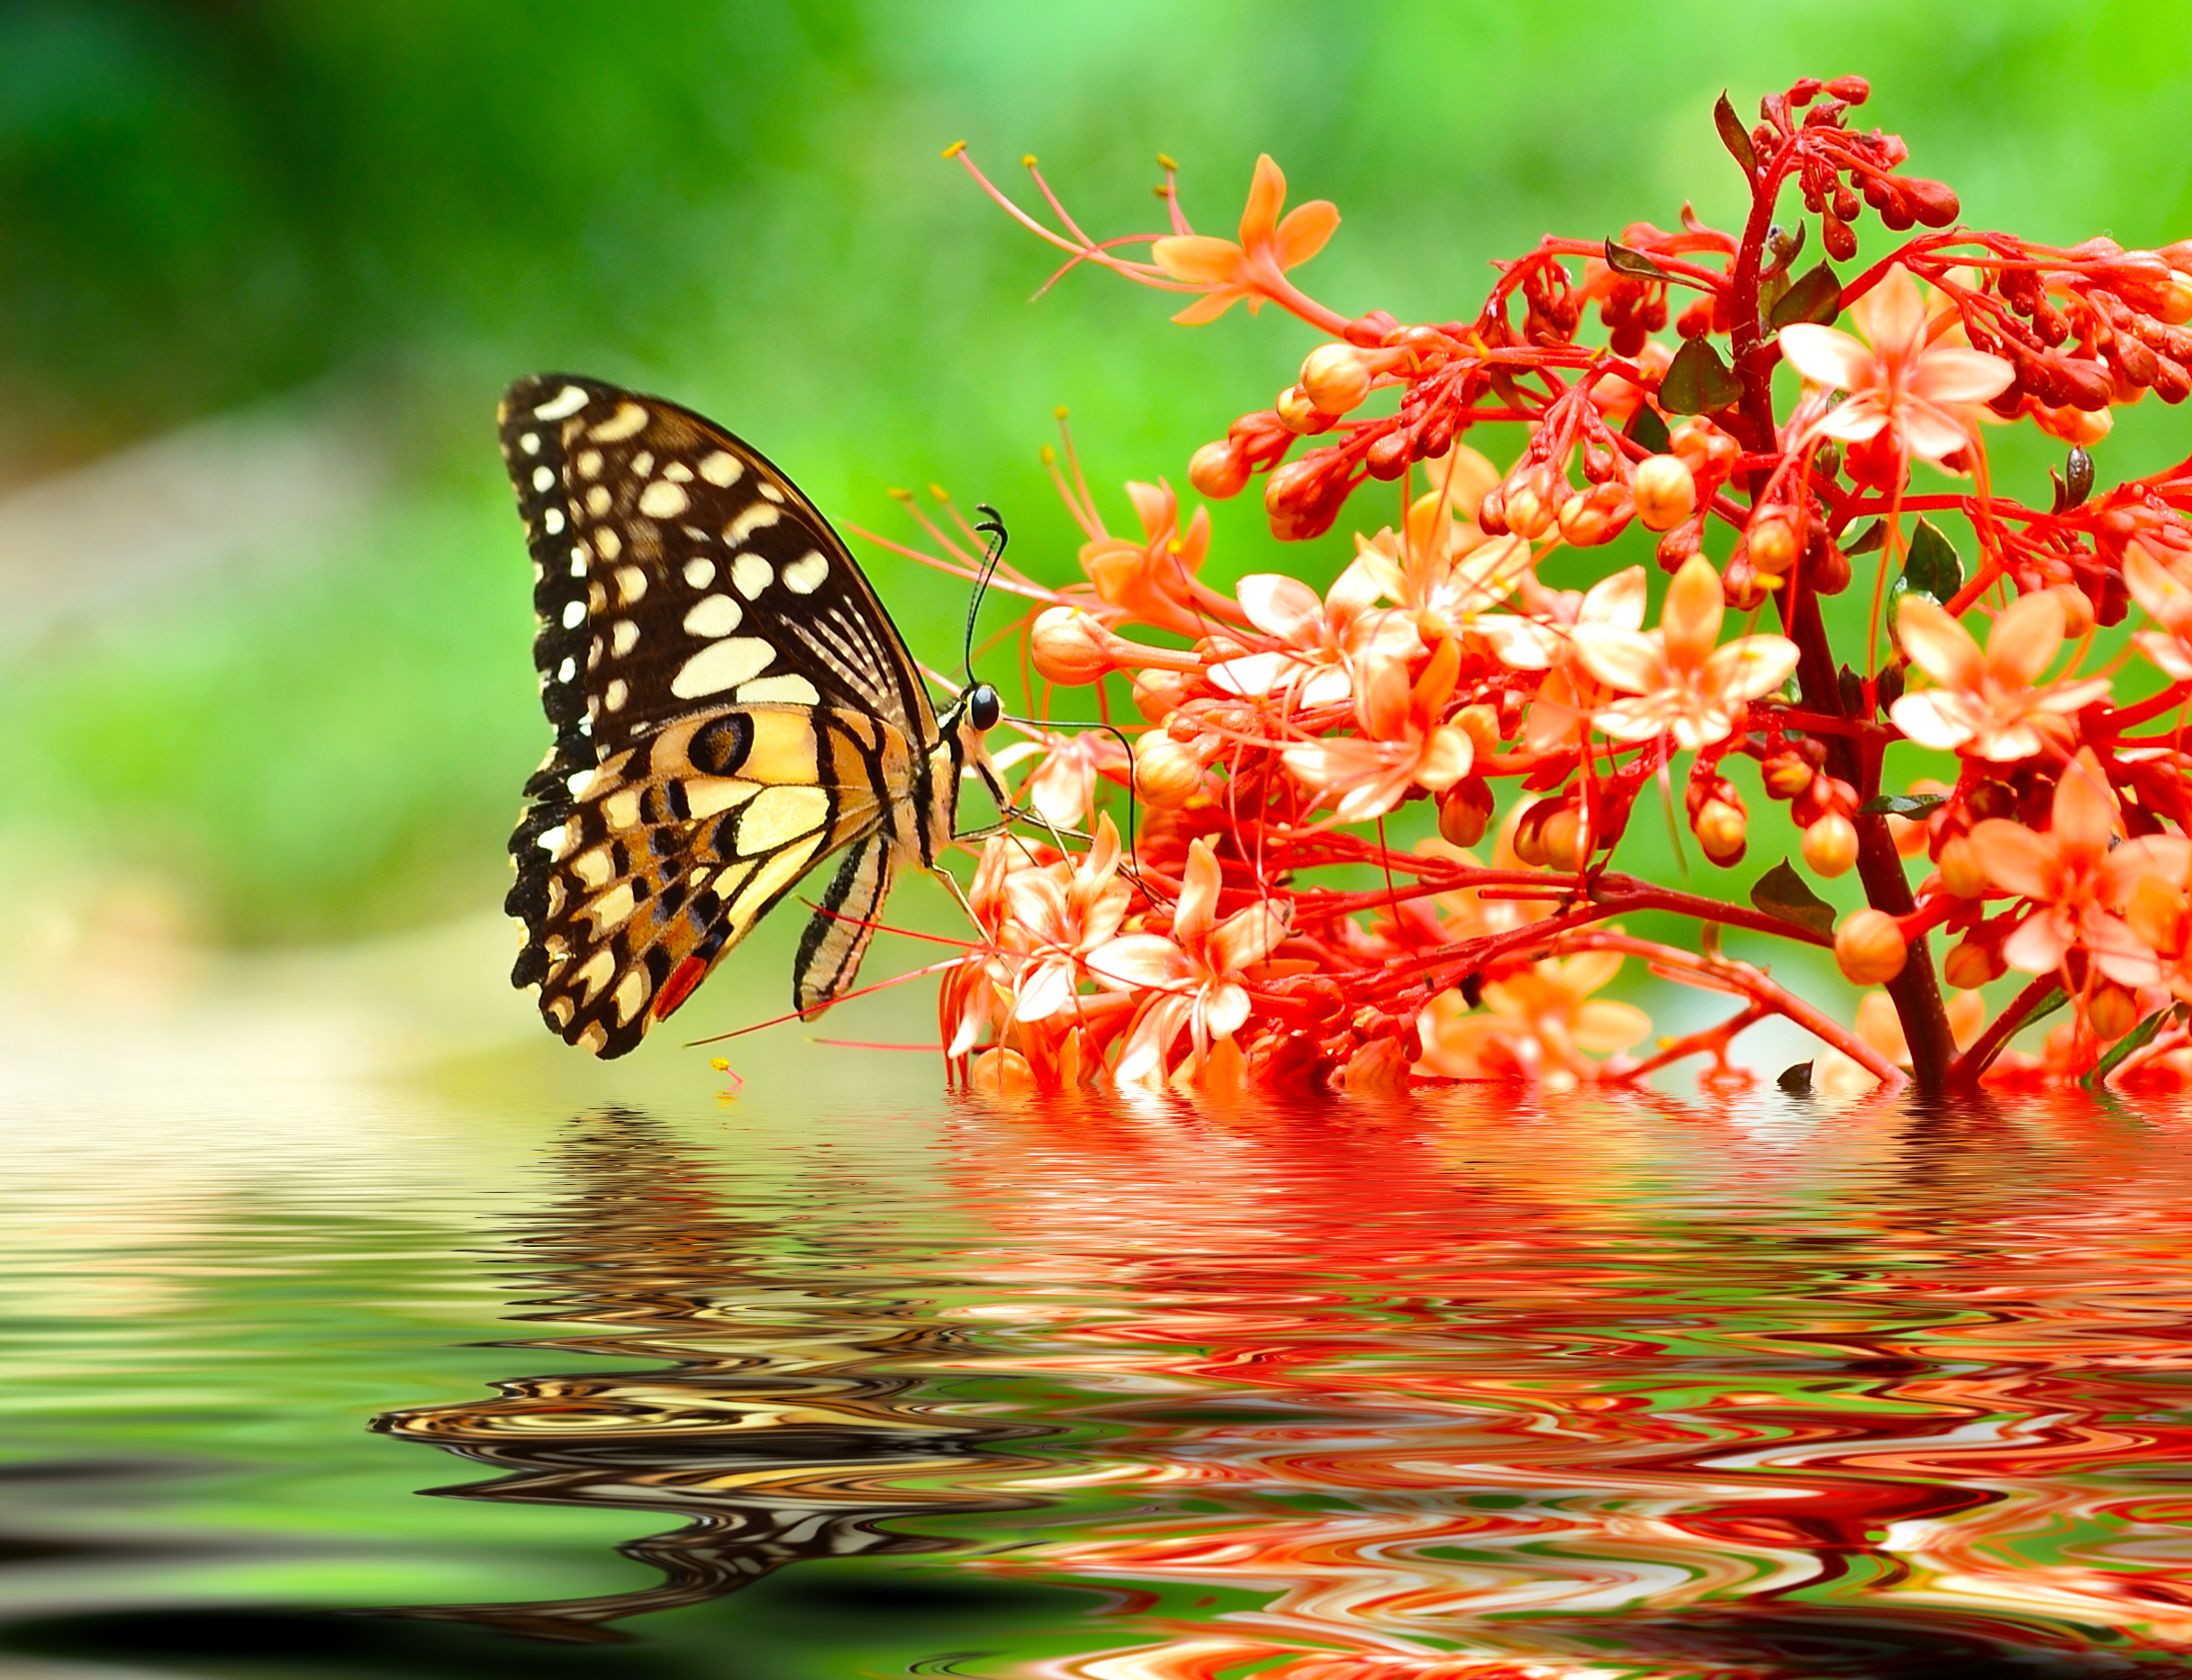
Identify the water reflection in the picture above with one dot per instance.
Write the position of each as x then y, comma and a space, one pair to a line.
1415, 1396
1735, 1390
783, 1428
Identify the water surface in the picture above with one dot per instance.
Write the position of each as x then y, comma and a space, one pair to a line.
1474, 1385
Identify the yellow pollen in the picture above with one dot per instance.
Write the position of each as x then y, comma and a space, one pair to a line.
939, 492
899, 494
1060, 411
1049, 455
1161, 192
952, 150
1026, 160
1166, 163
721, 1065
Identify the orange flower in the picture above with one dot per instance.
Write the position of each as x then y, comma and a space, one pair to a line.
1406, 742
1192, 974
1318, 642
1536, 1023
1152, 581
1987, 703
2166, 597
1061, 786
2073, 873
1058, 915
1257, 268
1899, 377
1681, 683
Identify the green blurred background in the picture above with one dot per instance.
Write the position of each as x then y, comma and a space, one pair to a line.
265, 269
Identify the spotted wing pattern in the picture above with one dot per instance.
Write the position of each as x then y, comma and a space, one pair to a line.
731, 705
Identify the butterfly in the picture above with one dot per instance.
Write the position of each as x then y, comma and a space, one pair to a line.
731, 705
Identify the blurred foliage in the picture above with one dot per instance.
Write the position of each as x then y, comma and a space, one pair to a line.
740, 204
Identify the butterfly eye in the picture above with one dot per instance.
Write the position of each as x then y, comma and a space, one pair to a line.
984, 709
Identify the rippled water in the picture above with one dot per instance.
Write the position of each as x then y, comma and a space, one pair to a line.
1475, 1386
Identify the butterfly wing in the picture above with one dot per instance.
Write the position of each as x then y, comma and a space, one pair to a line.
731, 705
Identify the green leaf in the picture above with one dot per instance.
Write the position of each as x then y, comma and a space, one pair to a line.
1646, 428
1781, 892
1817, 297
2039, 1011
1734, 135
1901, 804
1933, 567
1621, 260
1697, 382
1868, 539
2121, 1050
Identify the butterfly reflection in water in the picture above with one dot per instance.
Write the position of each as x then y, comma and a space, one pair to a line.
731, 706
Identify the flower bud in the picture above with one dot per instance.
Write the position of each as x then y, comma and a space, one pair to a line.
1464, 811
1829, 573
1830, 847
1528, 503
2113, 1011
1972, 962
1595, 516
2077, 609
1069, 645
1335, 377
1530, 831
1158, 693
1481, 724
1166, 774
1566, 839
1296, 412
1666, 492
1722, 829
2177, 306
1774, 543
1868, 947
1787, 774
1959, 872
1217, 472
1292, 502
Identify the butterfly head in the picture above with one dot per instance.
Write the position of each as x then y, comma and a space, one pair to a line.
978, 711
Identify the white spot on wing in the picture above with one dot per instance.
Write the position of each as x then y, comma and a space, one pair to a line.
662, 500
631, 583
608, 542
597, 500
552, 521
713, 616
544, 478
566, 671
722, 468
562, 405
789, 687
614, 696
623, 637
678, 473
574, 614
751, 574
804, 575
721, 666
756, 517
780, 814
530, 443
700, 572
628, 421
631, 996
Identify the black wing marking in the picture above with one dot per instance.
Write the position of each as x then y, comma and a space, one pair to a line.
681, 572
674, 849
831, 949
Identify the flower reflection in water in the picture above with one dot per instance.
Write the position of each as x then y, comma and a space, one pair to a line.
1612, 1390
783, 1428
1497, 1387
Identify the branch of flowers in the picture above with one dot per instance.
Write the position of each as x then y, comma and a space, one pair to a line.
1974, 1061
1712, 1041
1724, 974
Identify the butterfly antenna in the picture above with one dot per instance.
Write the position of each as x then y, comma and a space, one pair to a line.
992, 524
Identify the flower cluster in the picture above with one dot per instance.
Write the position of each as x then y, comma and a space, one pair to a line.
1265, 927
